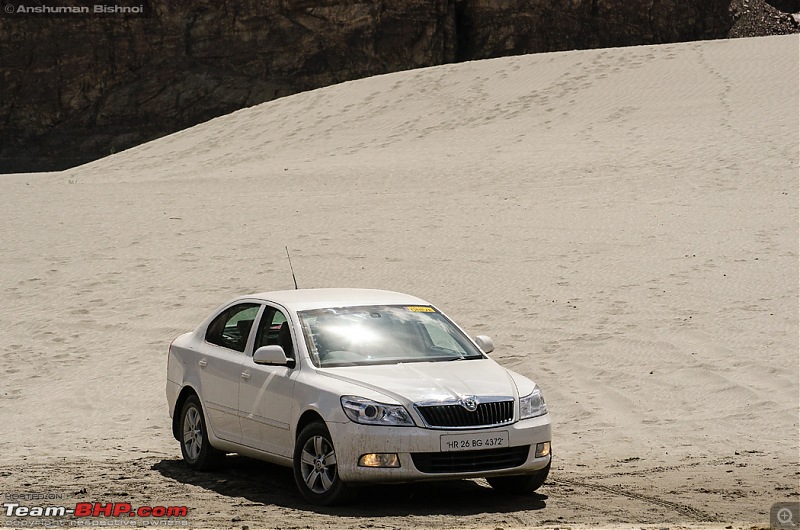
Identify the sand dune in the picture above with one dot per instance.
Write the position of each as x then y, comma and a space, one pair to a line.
623, 222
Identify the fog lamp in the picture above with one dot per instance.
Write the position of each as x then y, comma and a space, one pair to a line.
379, 460
542, 449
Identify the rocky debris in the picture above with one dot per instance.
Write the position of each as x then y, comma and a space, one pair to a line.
79, 88
760, 18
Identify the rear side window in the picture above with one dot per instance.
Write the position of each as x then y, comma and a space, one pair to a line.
232, 327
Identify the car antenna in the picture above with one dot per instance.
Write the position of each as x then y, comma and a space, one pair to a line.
290, 266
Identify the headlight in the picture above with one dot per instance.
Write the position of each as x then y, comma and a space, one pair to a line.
532, 405
369, 412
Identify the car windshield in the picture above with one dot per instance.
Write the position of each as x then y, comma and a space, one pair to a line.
365, 335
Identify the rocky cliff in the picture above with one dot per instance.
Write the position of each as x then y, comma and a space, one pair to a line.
78, 87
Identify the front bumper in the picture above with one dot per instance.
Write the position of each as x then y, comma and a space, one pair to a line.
352, 440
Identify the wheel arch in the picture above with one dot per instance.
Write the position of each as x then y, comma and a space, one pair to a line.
307, 418
176, 413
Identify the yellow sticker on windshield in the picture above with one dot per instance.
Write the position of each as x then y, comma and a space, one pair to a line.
420, 309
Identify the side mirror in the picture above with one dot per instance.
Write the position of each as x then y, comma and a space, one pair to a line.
485, 343
272, 354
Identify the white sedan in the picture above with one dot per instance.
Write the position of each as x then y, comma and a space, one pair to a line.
353, 386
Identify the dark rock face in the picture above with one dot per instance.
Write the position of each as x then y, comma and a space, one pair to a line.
76, 88
495, 28
79, 88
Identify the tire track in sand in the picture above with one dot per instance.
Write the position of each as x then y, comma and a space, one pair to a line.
683, 509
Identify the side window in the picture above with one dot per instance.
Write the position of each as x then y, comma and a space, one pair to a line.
232, 327
274, 329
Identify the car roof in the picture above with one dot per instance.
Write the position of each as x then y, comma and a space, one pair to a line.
304, 299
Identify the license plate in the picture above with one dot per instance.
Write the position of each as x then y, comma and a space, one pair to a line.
473, 442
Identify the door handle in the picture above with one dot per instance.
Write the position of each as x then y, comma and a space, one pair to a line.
203, 363
245, 375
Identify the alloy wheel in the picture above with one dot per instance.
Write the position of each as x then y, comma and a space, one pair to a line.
192, 433
318, 464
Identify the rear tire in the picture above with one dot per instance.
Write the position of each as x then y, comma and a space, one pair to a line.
520, 484
315, 468
195, 447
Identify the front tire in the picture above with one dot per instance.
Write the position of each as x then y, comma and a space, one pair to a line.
315, 468
195, 447
520, 484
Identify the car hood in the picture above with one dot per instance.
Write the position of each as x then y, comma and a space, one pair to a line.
430, 381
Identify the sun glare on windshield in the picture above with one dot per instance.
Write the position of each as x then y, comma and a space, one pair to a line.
353, 336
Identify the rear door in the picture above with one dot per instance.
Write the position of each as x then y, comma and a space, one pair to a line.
220, 367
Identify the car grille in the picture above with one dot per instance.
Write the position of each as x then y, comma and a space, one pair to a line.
486, 415
470, 461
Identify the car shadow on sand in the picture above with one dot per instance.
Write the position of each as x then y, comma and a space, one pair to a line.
268, 484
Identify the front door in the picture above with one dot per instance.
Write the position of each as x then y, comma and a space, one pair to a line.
265, 395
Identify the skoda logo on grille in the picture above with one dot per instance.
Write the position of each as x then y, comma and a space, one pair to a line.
470, 403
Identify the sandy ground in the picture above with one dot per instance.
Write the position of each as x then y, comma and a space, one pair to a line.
623, 222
